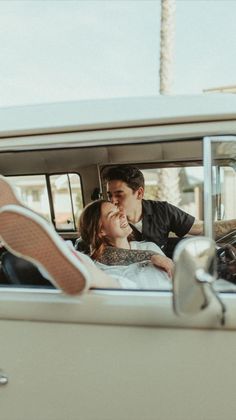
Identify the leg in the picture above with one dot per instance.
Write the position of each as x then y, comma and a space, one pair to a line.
27, 235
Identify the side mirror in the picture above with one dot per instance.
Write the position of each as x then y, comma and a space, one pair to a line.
194, 274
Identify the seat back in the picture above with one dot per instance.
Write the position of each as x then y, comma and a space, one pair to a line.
80, 245
18, 271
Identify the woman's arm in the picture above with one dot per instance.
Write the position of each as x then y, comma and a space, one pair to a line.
120, 256
163, 262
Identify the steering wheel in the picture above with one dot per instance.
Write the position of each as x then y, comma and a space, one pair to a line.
230, 238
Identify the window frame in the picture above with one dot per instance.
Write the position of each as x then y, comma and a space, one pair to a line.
208, 179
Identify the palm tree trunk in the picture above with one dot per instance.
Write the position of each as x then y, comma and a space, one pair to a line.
167, 45
168, 178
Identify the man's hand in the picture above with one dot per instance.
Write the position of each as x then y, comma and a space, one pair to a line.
163, 262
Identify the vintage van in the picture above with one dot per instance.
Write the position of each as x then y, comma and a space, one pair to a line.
122, 354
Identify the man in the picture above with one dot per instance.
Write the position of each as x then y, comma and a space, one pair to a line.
153, 220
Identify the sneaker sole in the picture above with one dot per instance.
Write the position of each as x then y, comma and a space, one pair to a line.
26, 235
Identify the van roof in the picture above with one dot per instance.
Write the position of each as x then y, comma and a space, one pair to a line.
119, 112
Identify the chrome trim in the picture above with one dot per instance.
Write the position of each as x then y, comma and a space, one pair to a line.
3, 379
207, 163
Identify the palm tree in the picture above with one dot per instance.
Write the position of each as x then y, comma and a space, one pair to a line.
168, 178
167, 45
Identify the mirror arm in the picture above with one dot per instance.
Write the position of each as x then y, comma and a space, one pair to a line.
222, 305
205, 278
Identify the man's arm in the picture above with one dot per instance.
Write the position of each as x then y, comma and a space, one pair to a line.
197, 228
221, 227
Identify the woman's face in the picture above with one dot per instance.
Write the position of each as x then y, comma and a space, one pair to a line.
114, 222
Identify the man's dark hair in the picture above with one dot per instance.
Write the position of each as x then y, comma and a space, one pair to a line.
131, 175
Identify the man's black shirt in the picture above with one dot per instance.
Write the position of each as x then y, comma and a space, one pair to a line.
159, 219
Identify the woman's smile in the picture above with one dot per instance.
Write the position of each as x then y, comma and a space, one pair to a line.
124, 225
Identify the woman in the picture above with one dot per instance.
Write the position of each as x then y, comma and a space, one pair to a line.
28, 235
105, 228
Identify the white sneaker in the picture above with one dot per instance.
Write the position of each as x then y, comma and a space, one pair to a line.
27, 235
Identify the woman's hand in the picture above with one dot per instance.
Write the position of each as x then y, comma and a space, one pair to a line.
163, 262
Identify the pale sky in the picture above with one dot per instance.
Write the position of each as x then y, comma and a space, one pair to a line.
56, 50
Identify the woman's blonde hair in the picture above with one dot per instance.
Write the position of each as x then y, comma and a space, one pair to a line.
90, 228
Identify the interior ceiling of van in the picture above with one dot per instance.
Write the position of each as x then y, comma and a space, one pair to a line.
74, 159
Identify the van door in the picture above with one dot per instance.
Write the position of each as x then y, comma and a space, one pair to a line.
114, 355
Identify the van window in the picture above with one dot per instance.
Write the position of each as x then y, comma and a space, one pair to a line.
182, 187
58, 198
67, 200
32, 191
